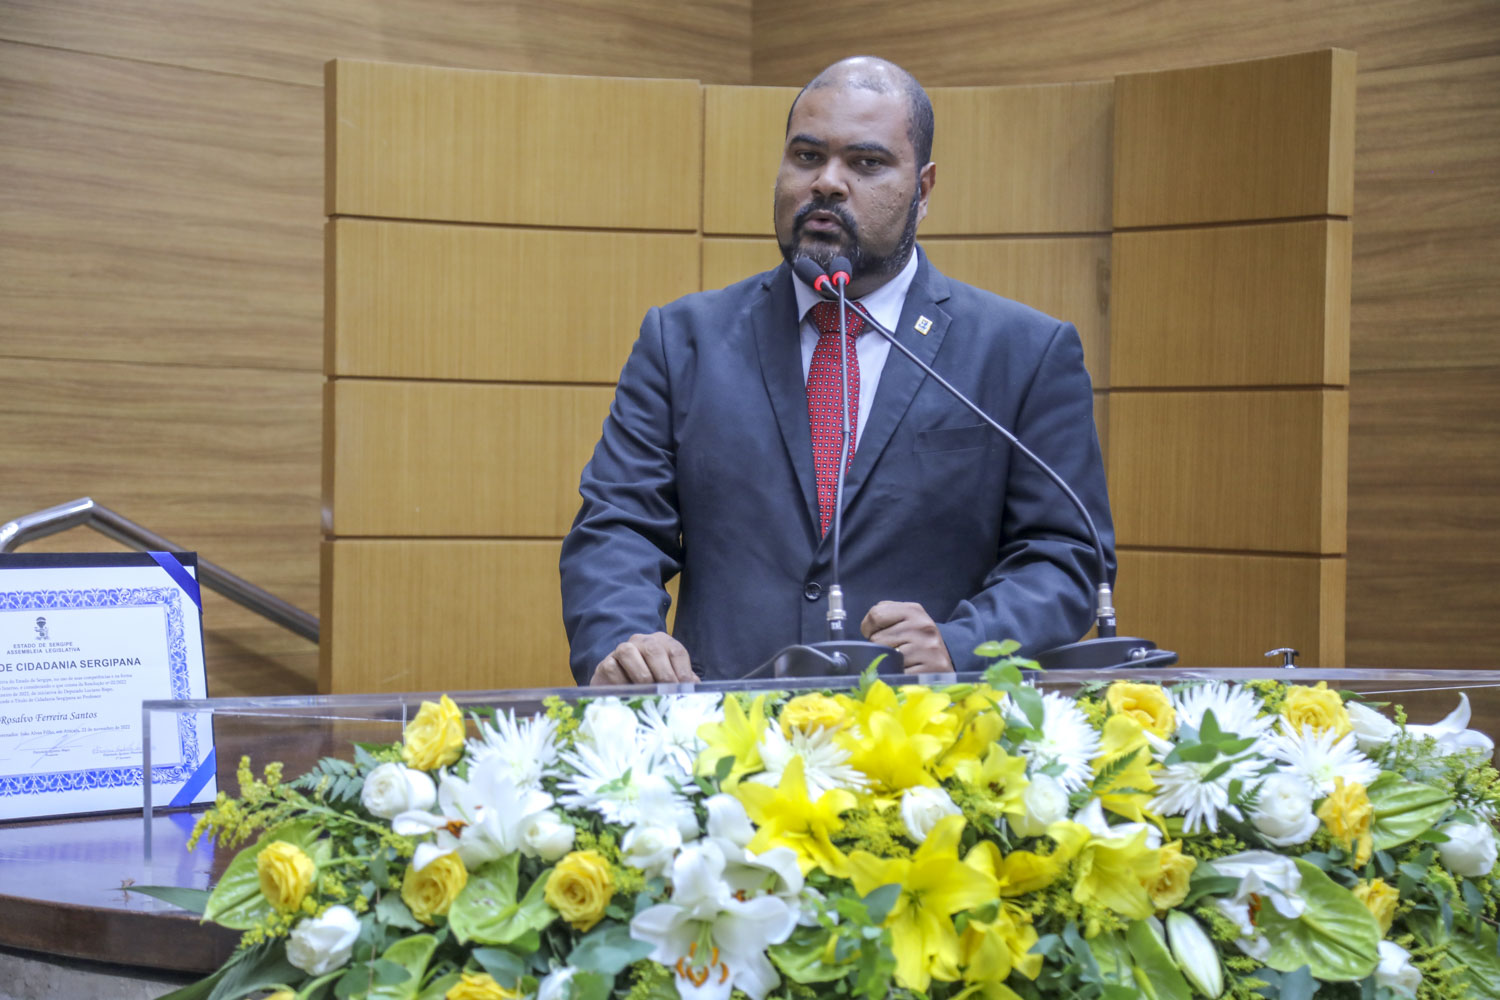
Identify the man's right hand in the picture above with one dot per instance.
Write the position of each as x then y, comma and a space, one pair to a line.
646, 659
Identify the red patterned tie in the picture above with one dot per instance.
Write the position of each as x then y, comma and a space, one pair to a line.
825, 403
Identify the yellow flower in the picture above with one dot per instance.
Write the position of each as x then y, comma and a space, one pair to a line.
282, 995
738, 736
1021, 872
580, 888
1147, 704
1317, 707
935, 884
979, 727
428, 893
1113, 872
285, 873
479, 986
990, 949
1380, 899
435, 738
999, 774
784, 816
812, 711
1347, 815
1127, 792
1170, 886
902, 736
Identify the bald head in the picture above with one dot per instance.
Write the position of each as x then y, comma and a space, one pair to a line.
880, 76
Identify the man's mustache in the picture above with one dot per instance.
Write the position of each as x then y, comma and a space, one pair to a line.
834, 209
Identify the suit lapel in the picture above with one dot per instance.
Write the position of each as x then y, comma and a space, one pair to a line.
900, 379
780, 350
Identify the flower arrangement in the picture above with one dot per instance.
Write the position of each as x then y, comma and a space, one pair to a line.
982, 840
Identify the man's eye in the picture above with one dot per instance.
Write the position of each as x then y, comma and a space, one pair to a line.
806, 156
869, 163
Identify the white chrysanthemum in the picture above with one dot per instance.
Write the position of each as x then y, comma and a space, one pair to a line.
1184, 789
673, 734
1236, 709
1319, 757
1067, 739
825, 764
625, 784
527, 747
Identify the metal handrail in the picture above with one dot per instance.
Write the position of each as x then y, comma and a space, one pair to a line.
84, 511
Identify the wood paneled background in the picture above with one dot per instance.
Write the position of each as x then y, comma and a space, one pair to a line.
161, 246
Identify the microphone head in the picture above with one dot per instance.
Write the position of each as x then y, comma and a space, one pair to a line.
809, 271
838, 269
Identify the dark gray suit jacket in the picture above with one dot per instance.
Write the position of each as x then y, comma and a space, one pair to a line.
705, 468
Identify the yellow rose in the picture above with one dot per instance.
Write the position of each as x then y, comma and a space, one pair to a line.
428, 893
580, 888
812, 711
1148, 704
435, 738
285, 874
479, 986
1170, 886
1347, 815
1317, 707
1380, 900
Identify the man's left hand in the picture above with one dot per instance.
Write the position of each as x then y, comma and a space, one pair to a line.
910, 630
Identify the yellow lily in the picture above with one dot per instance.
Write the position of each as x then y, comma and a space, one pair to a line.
999, 774
979, 726
1114, 871
935, 884
1124, 734
898, 738
785, 817
992, 948
738, 736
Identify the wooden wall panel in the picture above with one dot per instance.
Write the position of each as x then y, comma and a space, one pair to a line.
459, 615
453, 458
1264, 139
149, 213
1230, 470
697, 39
726, 261
744, 130
1241, 606
476, 302
417, 142
1232, 305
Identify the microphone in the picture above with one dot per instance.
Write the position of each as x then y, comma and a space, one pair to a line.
1106, 652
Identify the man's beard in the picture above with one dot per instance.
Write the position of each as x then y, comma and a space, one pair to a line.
862, 262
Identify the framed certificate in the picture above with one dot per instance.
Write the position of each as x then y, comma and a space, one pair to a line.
84, 639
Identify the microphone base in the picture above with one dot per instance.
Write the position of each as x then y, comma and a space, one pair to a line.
847, 658
1115, 653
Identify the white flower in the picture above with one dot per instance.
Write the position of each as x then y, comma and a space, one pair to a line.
490, 812
1043, 802
609, 722
1469, 850
650, 848
922, 807
624, 784
528, 748
1195, 954
825, 764
558, 985
318, 945
672, 736
1396, 971
1251, 941
1268, 875
1453, 734
392, 789
1067, 739
776, 871
1371, 729
1236, 709
1091, 817
1185, 789
712, 940
1284, 816
1319, 757
727, 819
546, 836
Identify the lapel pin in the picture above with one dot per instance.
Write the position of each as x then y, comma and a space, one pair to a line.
923, 325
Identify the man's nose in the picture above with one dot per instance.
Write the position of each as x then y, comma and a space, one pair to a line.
831, 181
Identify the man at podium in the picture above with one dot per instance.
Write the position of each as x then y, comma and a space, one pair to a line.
717, 460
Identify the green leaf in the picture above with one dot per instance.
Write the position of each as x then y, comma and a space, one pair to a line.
590, 986
1336, 937
1112, 957
1401, 810
800, 957
439, 987
486, 910
265, 967
504, 966
1029, 700
398, 974
992, 649
236, 901
1298, 984
723, 767
1155, 972
878, 901
392, 912
192, 900
607, 949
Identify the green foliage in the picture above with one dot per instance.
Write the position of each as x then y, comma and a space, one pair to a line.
486, 910
1335, 937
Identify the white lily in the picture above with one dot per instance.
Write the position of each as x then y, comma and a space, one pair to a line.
1453, 733
1195, 954
491, 814
1092, 817
1264, 875
776, 871
712, 940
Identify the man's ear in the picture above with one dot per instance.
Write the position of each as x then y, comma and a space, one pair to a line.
926, 178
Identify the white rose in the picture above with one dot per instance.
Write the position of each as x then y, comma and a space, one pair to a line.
922, 807
1371, 729
392, 789
546, 836
609, 722
1396, 971
1045, 802
557, 985
319, 945
651, 848
1470, 849
1284, 816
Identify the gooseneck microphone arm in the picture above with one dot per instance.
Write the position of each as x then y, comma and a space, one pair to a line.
839, 268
